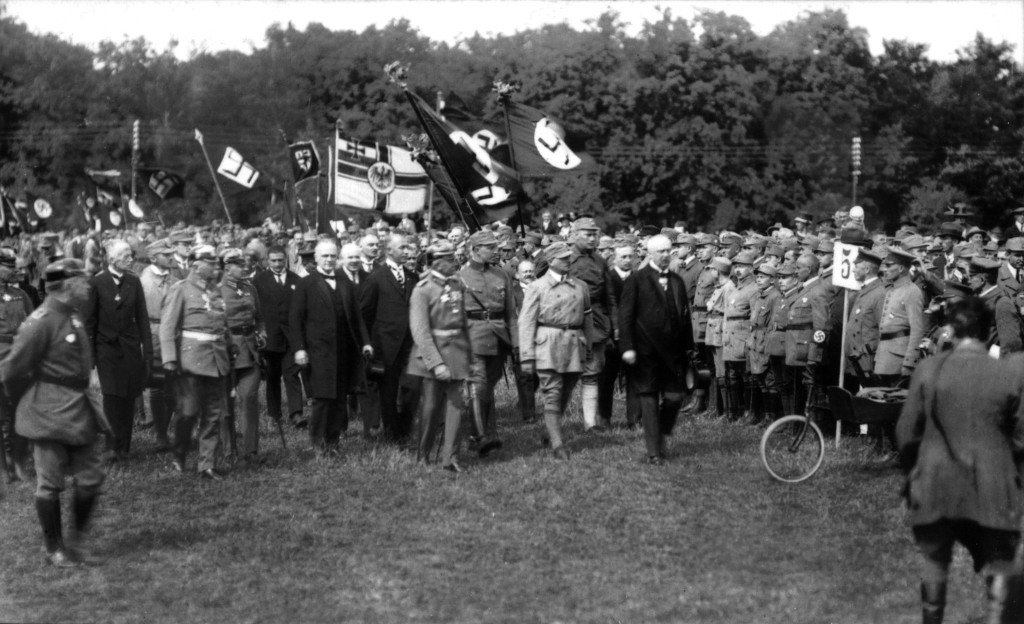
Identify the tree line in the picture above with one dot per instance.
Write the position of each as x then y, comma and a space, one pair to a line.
698, 120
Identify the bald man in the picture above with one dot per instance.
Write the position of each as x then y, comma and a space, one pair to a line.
117, 323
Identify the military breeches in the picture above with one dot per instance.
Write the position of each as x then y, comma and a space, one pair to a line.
556, 388
991, 549
201, 400
484, 373
55, 461
442, 402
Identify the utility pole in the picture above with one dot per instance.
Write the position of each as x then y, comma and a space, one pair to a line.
855, 153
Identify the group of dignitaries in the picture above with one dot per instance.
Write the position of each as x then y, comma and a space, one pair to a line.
748, 327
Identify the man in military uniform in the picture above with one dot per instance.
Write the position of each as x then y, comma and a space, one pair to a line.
782, 376
156, 280
245, 322
707, 280
1008, 329
493, 333
735, 333
49, 363
807, 327
195, 342
762, 309
865, 314
117, 322
901, 327
182, 243
15, 307
590, 268
441, 352
555, 331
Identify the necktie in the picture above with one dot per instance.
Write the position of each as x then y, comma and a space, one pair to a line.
280, 279
400, 276
663, 280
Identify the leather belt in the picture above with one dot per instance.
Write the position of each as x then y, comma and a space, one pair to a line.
562, 327
201, 336
446, 333
243, 331
484, 315
700, 308
737, 317
154, 321
67, 382
894, 335
714, 314
801, 326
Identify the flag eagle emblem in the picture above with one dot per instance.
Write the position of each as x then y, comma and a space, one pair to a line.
381, 177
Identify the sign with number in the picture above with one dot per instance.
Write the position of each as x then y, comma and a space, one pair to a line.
842, 266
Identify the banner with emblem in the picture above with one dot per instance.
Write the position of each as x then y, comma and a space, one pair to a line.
491, 189
234, 167
378, 177
305, 160
163, 183
539, 144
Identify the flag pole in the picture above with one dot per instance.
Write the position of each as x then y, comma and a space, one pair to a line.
135, 156
504, 95
213, 174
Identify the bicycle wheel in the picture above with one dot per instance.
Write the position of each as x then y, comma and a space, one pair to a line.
792, 449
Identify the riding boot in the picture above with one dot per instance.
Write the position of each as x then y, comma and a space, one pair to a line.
721, 404
48, 510
756, 402
736, 403
933, 602
776, 406
998, 589
84, 506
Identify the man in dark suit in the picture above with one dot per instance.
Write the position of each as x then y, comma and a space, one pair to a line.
359, 402
961, 437
117, 323
328, 335
275, 289
620, 270
384, 299
657, 338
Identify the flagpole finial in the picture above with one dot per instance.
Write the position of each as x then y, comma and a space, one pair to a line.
199, 136
397, 73
504, 90
420, 147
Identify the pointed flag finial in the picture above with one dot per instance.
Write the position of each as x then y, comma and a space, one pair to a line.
397, 73
504, 90
421, 148
199, 136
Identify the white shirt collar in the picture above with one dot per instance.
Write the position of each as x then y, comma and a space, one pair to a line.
622, 274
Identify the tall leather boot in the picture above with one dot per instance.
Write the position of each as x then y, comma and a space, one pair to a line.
722, 393
48, 510
933, 602
737, 405
775, 406
998, 589
755, 399
76, 547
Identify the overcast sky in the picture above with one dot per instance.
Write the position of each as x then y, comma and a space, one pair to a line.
216, 25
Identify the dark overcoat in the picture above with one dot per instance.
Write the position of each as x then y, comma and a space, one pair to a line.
647, 327
117, 322
313, 322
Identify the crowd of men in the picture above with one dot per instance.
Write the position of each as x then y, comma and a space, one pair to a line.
410, 331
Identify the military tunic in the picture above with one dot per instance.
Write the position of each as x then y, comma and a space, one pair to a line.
440, 333
193, 333
244, 320
736, 326
900, 328
58, 411
807, 325
762, 310
862, 326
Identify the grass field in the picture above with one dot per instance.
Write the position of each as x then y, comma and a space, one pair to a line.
520, 537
